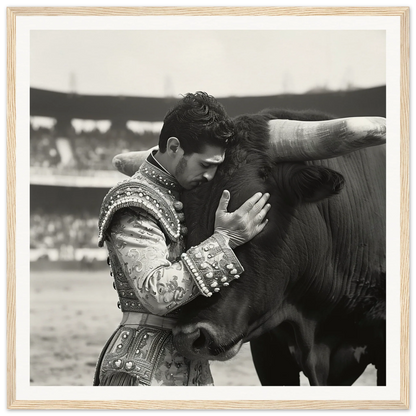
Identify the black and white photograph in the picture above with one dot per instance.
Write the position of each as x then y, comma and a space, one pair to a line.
208, 207
93, 97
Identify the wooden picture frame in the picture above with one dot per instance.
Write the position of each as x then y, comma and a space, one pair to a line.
401, 400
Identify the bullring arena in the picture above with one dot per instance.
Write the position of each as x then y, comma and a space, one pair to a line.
73, 307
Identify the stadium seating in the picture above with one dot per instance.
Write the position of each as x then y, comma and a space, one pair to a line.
71, 166
84, 150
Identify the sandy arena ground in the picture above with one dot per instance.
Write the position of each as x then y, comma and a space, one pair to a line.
73, 313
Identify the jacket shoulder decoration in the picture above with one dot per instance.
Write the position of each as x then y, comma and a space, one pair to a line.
138, 192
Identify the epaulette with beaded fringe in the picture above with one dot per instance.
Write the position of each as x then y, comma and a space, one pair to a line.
133, 193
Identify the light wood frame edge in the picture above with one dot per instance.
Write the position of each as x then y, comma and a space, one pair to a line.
13, 11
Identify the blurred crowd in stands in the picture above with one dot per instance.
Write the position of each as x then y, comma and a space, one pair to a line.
84, 150
63, 230
43, 151
60, 149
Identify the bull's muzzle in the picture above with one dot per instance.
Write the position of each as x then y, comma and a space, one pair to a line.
202, 341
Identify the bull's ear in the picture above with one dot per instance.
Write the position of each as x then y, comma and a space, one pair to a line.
314, 183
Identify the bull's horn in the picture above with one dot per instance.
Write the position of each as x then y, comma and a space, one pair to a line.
130, 162
292, 140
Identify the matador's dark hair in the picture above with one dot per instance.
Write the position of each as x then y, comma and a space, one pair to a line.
197, 120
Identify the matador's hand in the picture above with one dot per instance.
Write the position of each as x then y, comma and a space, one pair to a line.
243, 224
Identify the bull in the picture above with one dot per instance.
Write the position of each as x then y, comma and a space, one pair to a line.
312, 297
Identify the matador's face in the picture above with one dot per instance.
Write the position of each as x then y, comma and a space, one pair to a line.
197, 168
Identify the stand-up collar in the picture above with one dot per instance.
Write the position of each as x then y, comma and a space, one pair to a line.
159, 176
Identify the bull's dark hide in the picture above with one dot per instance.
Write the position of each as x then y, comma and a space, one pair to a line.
312, 297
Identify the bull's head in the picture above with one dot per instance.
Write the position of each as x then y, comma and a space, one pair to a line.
215, 328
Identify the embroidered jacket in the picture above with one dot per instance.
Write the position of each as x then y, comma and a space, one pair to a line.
142, 224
